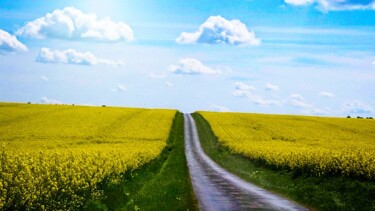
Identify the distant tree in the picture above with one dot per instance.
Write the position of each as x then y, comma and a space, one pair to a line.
28, 102
348, 117
103, 105
359, 117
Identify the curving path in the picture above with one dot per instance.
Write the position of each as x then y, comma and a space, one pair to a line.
217, 189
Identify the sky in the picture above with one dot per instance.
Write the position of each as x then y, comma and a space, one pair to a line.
309, 57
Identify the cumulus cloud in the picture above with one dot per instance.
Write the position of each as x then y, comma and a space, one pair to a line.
10, 44
357, 107
218, 30
71, 23
46, 100
336, 5
71, 56
271, 87
298, 101
219, 108
190, 66
44, 78
120, 88
244, 90
327, 94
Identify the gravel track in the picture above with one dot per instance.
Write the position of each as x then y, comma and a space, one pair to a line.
217, 189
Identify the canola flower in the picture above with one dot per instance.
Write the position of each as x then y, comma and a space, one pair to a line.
309, 145
53, 157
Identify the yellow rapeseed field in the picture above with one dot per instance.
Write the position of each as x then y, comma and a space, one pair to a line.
309, 145
53, 156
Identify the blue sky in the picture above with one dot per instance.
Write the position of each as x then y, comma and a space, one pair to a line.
312, 57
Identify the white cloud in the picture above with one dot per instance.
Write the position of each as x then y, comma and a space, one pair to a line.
298, 101
357, 107
261, 101
299, 2
335, 5
219, 108
169, 84
71, 23
296, 97
71, 56
244, 90
10, 44
156, 76
119, 88
327, 94
316, 111
44, 78
46, 100
189, 66
218, 30
271, 87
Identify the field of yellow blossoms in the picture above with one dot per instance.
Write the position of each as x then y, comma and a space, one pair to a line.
309, 145
54, 156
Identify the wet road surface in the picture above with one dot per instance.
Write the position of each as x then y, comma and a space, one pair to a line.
217, 189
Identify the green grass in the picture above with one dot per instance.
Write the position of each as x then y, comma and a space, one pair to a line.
320, 193
162, 184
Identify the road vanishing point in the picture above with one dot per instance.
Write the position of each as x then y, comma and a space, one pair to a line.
217, 189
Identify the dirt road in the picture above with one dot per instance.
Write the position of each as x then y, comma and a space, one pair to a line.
217, 189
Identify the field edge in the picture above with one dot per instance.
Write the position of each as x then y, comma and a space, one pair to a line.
163, 183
